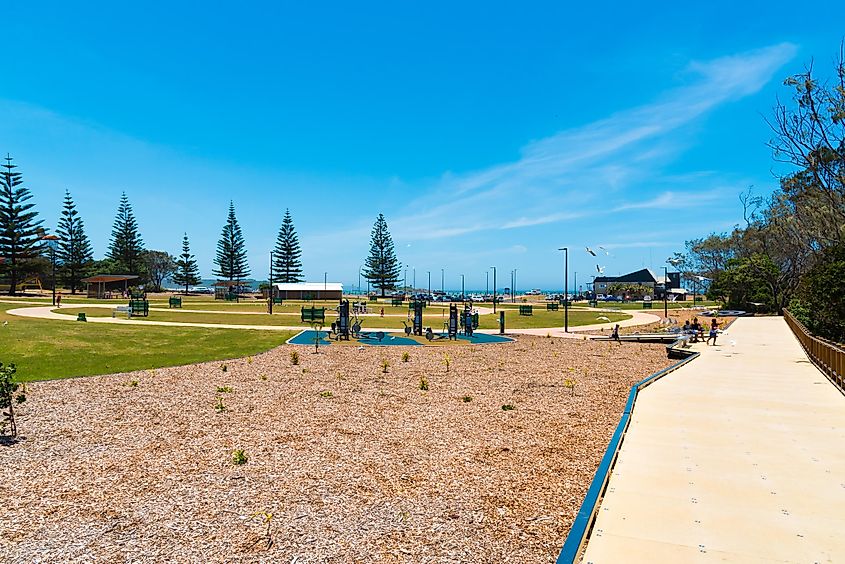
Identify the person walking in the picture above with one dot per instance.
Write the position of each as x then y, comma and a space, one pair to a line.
714, 331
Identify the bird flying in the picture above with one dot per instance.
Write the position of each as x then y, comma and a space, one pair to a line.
600, 269
605, 251
591, 251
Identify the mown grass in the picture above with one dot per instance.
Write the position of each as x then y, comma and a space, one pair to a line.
46, 349
542, 318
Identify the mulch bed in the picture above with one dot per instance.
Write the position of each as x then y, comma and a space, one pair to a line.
381, 470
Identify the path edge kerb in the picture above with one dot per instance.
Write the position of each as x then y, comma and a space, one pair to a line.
582, 526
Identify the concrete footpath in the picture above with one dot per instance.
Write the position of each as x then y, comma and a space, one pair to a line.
738, 456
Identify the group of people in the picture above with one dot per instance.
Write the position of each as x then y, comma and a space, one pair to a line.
696, 330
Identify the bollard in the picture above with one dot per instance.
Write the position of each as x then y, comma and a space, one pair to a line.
501, 322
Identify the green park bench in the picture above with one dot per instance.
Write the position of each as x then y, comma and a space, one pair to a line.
526, 310
372, 298
175, 301
552, 307
396, 301
81, 316
312, 314
231, 297
139, 308
647, 304
277, 300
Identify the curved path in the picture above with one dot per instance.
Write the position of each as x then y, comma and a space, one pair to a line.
47, 312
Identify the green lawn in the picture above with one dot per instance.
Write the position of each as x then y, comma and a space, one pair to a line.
543, 318
655, 305
45, 349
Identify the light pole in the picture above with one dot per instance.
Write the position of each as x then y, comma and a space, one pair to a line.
487, 288
514, 280
359, 280
52, 243
463, 296
665, 292
565, 290
494, 288
575, 284
443, 280
415, 278
270, 290
429, 283
511, 286
405, 282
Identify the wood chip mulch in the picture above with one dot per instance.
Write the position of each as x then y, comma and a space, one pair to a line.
354, 464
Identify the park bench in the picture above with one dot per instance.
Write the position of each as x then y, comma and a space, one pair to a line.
277, 300
175, 301
372, 298
647, 304
312, 314
594, 303
552, 307
526, 310
396, 301
121, 309
231, 297
139, 308
81, 316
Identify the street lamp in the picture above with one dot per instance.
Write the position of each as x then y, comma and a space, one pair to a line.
494, 288
359, 280
665, 292
463, 297
52, 243
270, 289
565, 288
429, 283
513, 290
443, 280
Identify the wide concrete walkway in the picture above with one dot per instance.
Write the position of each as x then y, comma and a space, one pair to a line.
739, 456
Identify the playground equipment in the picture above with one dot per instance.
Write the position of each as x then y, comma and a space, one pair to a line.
342, 326
418, 306
469, 320
453, 322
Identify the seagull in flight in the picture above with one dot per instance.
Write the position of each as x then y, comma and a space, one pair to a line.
591, 251
600, 269
605, 251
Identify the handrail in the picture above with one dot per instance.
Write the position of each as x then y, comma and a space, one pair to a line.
583, 523
828, 356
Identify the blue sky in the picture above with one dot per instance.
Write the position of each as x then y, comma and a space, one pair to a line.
488, 134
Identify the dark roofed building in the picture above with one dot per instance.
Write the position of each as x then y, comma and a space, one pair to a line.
103, 285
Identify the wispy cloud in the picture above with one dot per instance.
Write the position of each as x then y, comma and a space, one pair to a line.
582, 168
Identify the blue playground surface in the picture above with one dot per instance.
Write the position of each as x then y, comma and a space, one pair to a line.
390, 339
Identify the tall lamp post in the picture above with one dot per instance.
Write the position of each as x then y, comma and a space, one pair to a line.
359, 280
429, 283
665, 292
463, 296
270, 289
494, 288
443, 280
52, 243
514, 280
565, 288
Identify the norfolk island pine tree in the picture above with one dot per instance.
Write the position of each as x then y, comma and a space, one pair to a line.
231, 250
126, 244
381, 267
287, 263
187, 271
74, 249
20, 232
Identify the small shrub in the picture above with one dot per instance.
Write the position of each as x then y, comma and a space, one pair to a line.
447, 360
294, 357
326, 394
9, 397
219, 405
384, 365
570, 383
406, 356
132, 383
508, 407
263, 376
239, 457
423, 383
224, 368
467, 399
249, 360
224, 389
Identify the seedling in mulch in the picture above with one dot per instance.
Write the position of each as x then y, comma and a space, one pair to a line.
447, 360
9, 397
249, 360
508, 407
326, 394
266, 519
466, 399
294, 358
263, 376
224, 389
406, 356
548, 335
384, 366
132, 383
219, 405
224, 368
239, 457
423, 383
570, 383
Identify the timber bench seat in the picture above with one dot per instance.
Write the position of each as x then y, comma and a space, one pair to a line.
526, 310
552, 307
175, 301
139, 308
312, 314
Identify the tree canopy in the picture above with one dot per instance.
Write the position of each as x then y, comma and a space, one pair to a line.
231, 250
381, 267
126, 244
287, 263
20, 231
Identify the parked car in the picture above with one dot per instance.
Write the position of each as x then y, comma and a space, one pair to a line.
612, 299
